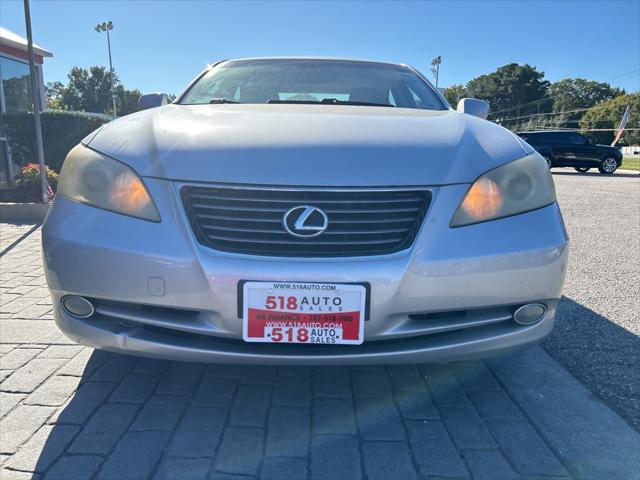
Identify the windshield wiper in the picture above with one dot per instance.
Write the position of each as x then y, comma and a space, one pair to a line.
332, 101
222, 100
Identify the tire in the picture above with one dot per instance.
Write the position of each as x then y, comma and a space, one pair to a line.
549, 160
608, 165
582, 169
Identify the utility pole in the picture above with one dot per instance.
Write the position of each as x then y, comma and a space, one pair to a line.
435, 68
35, 94
107, 27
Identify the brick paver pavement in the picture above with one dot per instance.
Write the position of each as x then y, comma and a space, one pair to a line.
69, 412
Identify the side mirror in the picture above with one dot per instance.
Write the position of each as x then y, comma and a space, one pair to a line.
152, 100
477, 108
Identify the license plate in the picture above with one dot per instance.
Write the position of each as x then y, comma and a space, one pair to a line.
315, 313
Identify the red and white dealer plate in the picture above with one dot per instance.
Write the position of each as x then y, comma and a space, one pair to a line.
315, 313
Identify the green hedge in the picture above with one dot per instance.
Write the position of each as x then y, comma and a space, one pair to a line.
61, 131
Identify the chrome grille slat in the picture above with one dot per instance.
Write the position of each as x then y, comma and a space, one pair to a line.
250, 220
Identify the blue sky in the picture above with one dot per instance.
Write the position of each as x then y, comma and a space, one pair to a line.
162, 45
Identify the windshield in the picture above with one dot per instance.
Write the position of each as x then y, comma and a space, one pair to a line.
331, 82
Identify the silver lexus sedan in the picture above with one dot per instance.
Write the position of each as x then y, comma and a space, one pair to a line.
305, 211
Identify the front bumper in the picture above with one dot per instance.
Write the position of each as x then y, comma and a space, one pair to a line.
160, 294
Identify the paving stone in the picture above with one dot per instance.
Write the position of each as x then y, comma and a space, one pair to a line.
386, 460
7, 347
136, 454
447, 395
183, 469
74, 467
524, 448
230, 476
29, 376
151, 365
590, 439
134, 388
331, 382
283, 469
494, 405
437, 373
371, 384
160, 412
240, 451
53, 392
85, 363
114, 369
433, 450
406, 378
335, 456
215, 392
61, 351
378, 419
199, 433
472, 376
20, 424
489, 465
43, 448
104, 429
17, 358
416, 405
466, 428
292, 390
334, 415
285, 370
288, 432
8, 401
181, 379
6, 474
259, 374
221, 370
250, 406
81, 406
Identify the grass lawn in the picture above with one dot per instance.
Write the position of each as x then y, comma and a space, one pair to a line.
631, 163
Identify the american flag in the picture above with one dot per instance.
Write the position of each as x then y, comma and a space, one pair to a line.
623, 123
50, 193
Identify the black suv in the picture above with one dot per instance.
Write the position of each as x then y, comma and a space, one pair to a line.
572, 149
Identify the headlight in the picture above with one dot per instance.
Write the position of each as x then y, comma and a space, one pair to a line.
97, 180
517, 187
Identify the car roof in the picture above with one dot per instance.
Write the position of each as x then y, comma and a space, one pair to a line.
547, 131
312, 58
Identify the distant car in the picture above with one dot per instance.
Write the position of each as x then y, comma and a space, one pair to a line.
572, 149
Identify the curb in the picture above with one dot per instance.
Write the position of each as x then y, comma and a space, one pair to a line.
23, 212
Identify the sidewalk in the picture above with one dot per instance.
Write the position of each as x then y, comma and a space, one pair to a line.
71, 412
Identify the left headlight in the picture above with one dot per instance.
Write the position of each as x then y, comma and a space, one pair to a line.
517, 187
97, 180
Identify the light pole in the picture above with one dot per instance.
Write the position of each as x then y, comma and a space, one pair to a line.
106, 27
435, 64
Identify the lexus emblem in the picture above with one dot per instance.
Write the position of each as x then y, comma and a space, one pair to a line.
305, 221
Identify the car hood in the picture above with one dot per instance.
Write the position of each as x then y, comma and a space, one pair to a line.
321, 145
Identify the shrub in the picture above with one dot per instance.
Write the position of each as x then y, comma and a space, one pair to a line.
28, 181
61, 131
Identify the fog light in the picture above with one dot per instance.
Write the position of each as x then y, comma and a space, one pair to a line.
78, 306
530, 314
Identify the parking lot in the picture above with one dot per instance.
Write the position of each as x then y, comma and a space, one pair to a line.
567, 409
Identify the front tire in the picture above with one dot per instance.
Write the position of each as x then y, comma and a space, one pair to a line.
608, 165
549, 160
582, 169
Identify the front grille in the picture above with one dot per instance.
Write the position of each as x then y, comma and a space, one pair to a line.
250, 220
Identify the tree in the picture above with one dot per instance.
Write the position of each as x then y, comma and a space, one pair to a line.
454, 93
90, 91
509, 87
607, 115
576, 93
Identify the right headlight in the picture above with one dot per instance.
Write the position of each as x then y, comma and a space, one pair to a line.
97, 180
517, 187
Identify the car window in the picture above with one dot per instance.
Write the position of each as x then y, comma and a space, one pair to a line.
576, 139
277, 80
